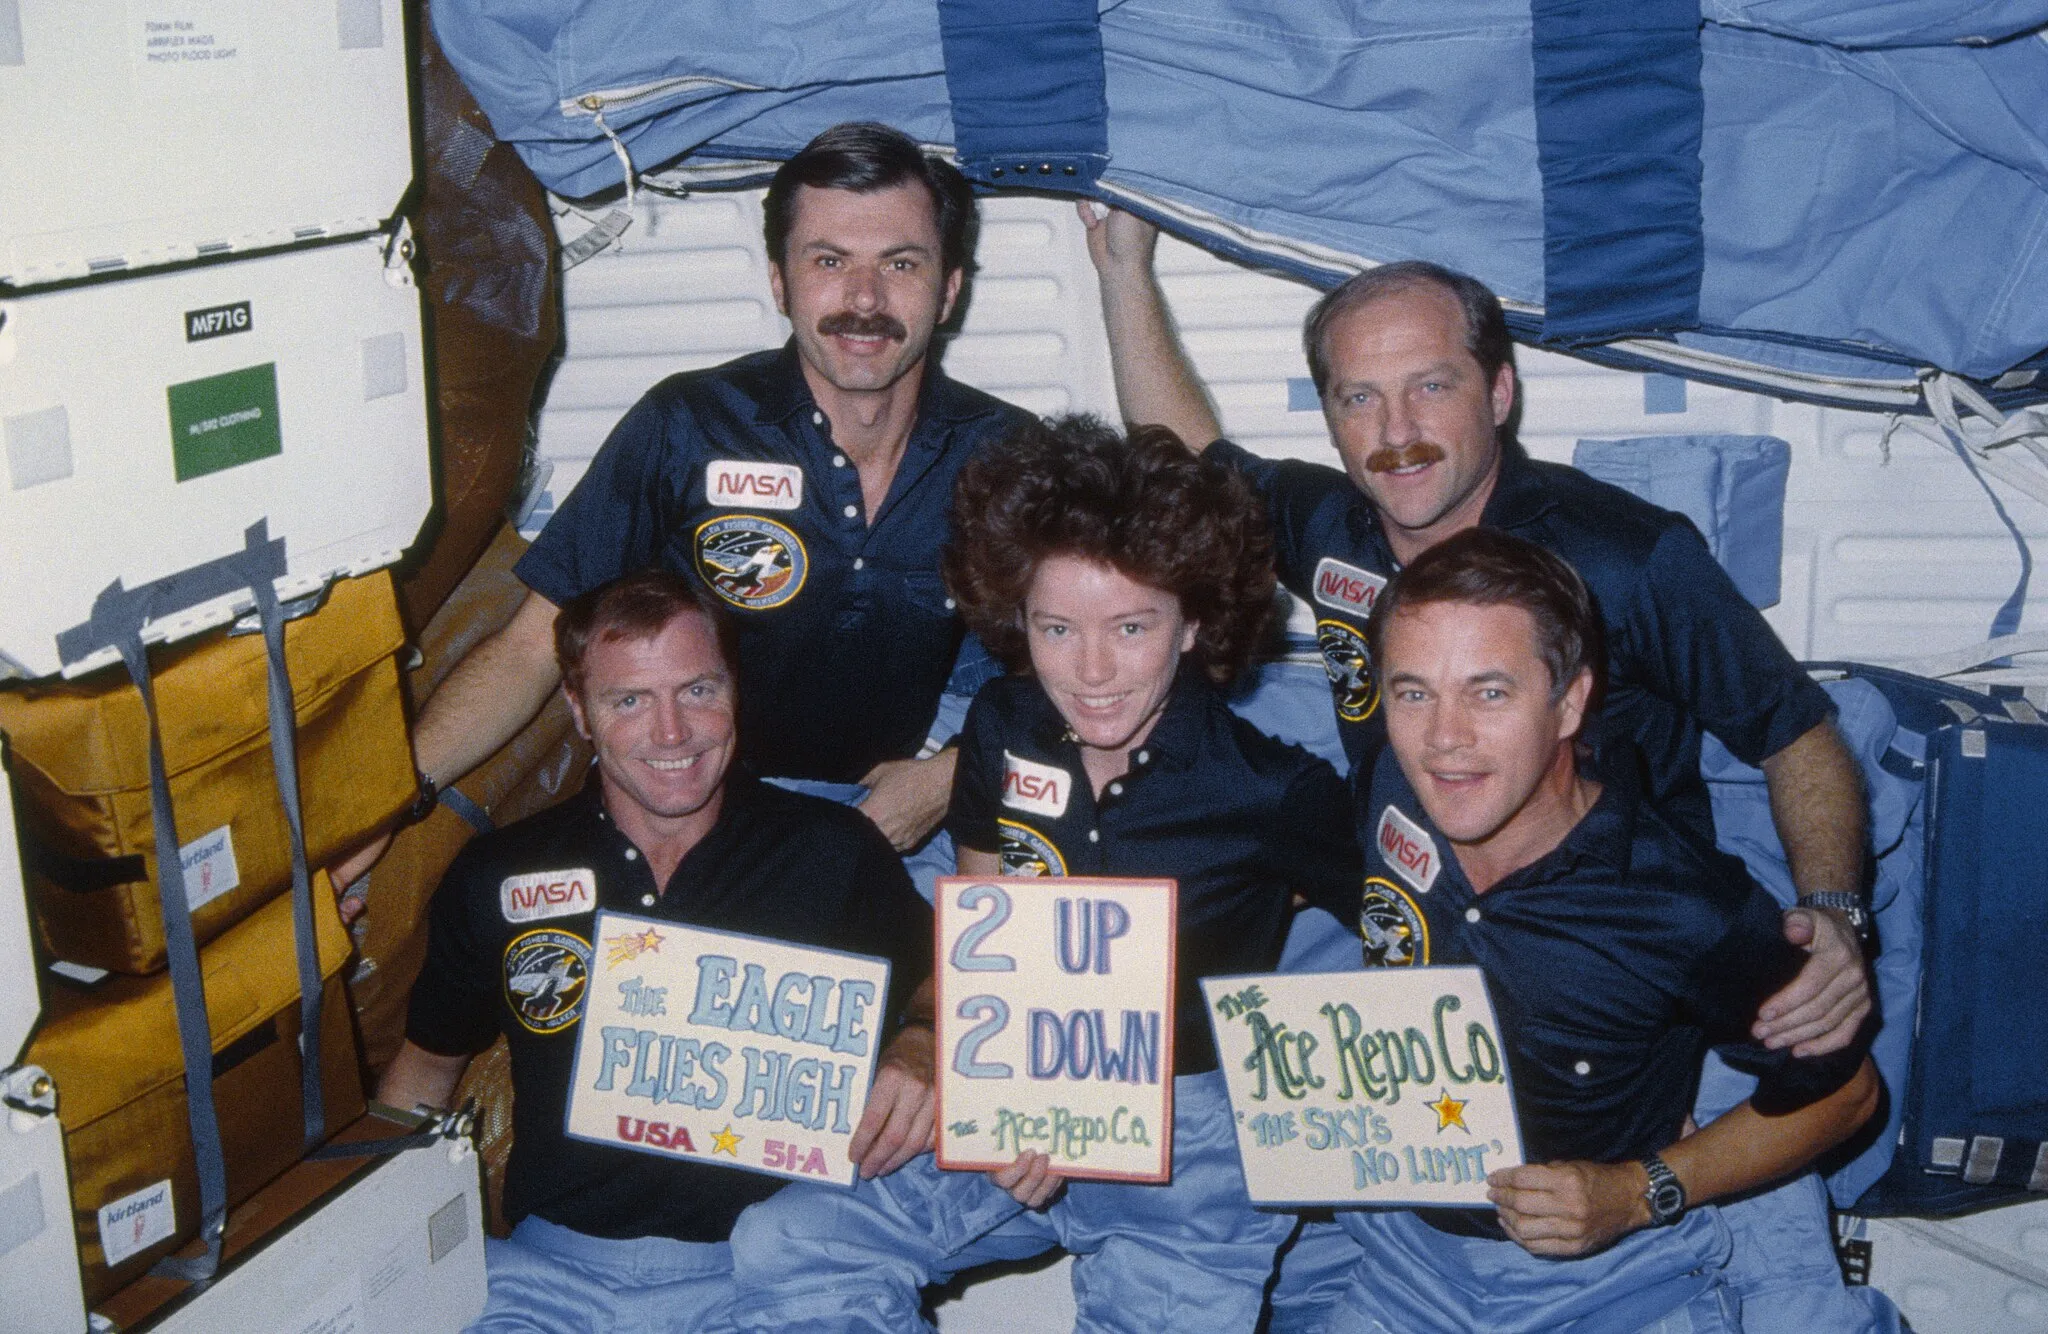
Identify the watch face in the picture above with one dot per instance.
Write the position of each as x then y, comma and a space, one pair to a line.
1667, 1202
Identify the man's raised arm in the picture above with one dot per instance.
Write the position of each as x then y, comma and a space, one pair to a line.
494, 691
1155, 382
1817, 805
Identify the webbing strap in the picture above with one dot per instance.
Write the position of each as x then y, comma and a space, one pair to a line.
284, 759
1942, 393
188, 987
117, 619
473, 815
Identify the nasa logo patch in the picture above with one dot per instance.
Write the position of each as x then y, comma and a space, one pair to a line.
545, 974
1025, 851
1346, 588
731, 483
539, 895
1039, 788
1409, 850
1395, 932
751, 562
1350, 669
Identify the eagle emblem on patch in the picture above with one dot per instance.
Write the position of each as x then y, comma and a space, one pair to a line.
545, 975
1025, 851
1350, 668
752, 562
1392, 927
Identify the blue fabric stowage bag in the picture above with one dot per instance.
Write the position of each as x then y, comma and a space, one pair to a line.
1732, 487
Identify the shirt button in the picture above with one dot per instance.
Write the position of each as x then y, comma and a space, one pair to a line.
1116, 789
647, 900
851, 511
632, 854
817, 419
859, 563
1095, 836
839, 460
1471, 914
1582, 1067
950, 604
1144, 757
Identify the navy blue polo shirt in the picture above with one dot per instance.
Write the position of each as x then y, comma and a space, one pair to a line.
776, 864
1685, 650
846, 634
1241, 822
1614, 961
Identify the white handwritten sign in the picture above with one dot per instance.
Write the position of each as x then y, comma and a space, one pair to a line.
1055, 1024
1386, 1086
725, 1049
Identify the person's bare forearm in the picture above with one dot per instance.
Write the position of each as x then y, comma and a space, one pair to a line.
1744, 1149
1572, 1208
1155, 381
496, 690
1817, 806
417, 1077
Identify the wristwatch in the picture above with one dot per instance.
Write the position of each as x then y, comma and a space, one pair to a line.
1666, 1195
1849, 905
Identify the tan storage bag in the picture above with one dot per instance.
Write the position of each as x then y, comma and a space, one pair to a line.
81, 767
113, 1052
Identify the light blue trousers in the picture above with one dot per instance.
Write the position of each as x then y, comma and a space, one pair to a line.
1192, 1255
548, 1279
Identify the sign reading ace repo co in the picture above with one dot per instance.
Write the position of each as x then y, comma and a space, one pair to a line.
1386, 1086
1055, 1024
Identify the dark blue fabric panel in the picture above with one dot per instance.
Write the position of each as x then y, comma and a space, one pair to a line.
1619, 115
1027, 88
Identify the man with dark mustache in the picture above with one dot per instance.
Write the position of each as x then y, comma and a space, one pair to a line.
807, 487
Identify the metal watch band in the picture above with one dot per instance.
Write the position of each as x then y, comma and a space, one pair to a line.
1666, 1195
1851, 906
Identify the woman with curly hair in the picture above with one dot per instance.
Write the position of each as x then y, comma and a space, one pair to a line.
1125, 583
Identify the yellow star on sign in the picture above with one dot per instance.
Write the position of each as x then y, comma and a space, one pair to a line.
625, 949
1449, 1112
724, 1141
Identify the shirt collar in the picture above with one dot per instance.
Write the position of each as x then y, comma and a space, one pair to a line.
1176, 737
1519, 496
742, 793
783, 392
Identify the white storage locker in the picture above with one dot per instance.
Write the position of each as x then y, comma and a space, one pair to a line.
142, 132
39, 1286
149, 423
19, 1003
399, 1251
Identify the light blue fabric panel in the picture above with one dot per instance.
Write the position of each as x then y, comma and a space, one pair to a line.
1387, 131
1918, 247
1882, 22
705, 71
1732, 487
1743, 827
